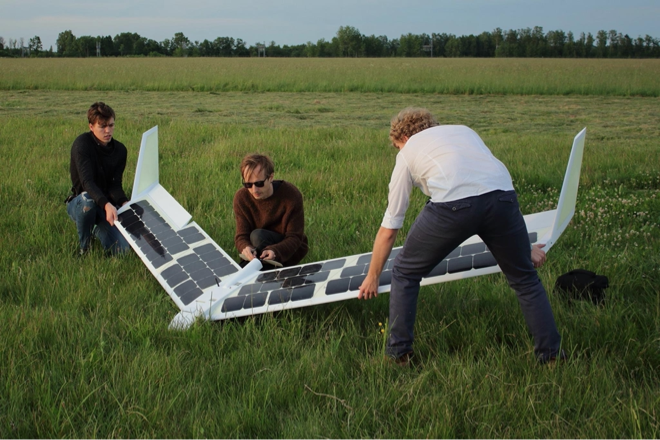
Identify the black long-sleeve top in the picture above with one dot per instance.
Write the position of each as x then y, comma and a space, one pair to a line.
98, 169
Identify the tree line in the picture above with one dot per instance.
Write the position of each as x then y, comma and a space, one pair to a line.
349, 42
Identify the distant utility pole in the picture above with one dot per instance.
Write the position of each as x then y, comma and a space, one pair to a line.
98, 48
261, 50
429, 47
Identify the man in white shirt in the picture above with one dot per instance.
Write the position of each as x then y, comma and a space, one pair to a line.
471, 192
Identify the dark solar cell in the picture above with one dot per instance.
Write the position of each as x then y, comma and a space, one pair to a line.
255, 300
161, 229
171, 271
152, 240
193, 238
279, 296
484, 260
171, 241
193, 266
356, 282
137, 208
352, 271
364, 259
312, 268
533, 236
175, 249
174, 275
287, 273
337, 286
127, 218
191, 296
202, 273
184, 288
270, 286
385, 278
455, 253
204, 249
207, 282
166, 235
177, 279
472, 249
459, 264
233, 304
249, 289
188, 231
267, 276
219, 263
438, 270
293, 282
135, 227
334, 264
161, 260
316, 277
192, 258
299, 293
212, 256
151, 253
224, 271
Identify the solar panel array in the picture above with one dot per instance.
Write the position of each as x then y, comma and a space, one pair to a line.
187, 262
339, 276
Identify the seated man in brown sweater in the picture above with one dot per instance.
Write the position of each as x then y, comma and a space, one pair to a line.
270, 222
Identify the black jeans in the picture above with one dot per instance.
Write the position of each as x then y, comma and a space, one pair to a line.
262, 238
438, 230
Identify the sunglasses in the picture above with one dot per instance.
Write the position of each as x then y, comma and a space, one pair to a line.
258, 184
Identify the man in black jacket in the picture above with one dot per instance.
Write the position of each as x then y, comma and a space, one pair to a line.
97, 165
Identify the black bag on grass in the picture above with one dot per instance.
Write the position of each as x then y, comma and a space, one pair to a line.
583, 284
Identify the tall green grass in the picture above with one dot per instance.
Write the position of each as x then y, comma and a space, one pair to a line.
85, 347
396, 75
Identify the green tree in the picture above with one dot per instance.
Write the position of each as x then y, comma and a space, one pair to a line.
350, 41
35, 46
410, 45
66, 44
601, 44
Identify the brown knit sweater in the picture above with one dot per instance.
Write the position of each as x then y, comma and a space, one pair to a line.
282, 213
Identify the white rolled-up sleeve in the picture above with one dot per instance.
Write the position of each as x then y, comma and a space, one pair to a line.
401, 185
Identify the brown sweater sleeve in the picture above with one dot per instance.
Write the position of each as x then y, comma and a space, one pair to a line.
292, 225
244, 220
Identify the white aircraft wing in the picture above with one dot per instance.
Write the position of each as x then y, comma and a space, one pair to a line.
205, 282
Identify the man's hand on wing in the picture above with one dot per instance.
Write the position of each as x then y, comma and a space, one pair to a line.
268, 255
110, 213
538, 255
249, 253
369, 288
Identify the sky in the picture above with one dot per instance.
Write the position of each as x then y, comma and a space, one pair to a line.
299, 21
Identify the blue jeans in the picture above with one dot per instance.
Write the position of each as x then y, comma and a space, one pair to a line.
438, 230
90, 220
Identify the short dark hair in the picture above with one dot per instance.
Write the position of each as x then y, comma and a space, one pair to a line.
252, 161
100, 111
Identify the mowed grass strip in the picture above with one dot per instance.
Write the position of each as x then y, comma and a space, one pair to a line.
390, 75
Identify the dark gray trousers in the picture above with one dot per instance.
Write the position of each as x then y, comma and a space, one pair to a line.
438, 230
261, 238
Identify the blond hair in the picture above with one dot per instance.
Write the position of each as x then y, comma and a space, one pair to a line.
410, 121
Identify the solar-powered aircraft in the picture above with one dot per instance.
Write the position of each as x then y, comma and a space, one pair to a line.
204, 282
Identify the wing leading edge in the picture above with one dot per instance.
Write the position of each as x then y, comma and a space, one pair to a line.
205, 282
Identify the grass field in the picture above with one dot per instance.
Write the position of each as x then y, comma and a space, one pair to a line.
380, 75
86, 350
